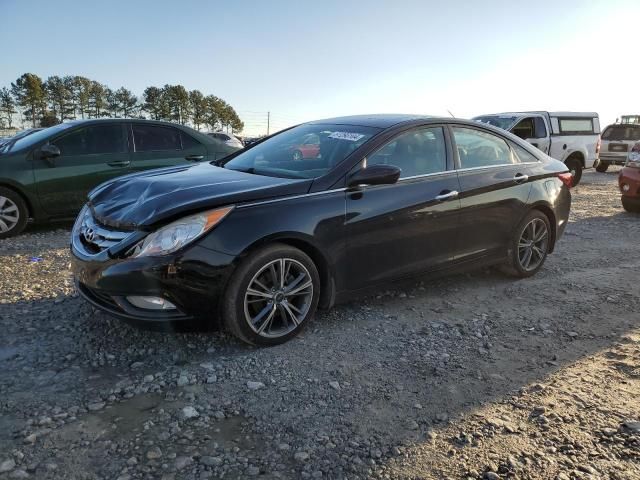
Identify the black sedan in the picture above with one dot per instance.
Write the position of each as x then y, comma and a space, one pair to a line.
260, 240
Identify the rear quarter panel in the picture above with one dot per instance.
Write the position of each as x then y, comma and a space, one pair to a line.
550, 194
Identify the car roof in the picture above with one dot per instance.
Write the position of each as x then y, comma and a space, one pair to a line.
381, 120
112, 120
539, 112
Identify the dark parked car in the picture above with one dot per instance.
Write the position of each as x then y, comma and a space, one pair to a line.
260, 240
47, 174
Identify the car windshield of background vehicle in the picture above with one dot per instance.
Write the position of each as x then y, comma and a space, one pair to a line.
502, 122
621, 132
35, 138
287, 155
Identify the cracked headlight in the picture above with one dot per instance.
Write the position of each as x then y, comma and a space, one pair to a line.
177, 234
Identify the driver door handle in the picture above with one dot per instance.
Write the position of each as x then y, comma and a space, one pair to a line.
447, 196
520, 178
119, 163
194, 158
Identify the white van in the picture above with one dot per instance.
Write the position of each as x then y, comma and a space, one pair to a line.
571, 137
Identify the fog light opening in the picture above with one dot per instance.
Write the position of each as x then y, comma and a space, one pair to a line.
625, 187
150, 303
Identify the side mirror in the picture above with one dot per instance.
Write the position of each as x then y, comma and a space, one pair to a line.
375, 175
48, 152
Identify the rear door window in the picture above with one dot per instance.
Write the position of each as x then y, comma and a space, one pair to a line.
154, 138
521, 155
98, 139
481, 149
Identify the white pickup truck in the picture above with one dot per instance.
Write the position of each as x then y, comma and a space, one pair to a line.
571, 137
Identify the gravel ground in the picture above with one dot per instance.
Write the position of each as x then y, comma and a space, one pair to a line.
472, 376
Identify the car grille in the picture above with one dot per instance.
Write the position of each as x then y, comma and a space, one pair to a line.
96, 238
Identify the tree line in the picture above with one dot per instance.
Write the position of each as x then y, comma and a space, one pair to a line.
44, 103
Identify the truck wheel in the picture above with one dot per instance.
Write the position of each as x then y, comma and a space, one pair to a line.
13, 213
602, 167
575, 167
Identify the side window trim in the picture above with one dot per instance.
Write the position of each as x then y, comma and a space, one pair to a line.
133, 124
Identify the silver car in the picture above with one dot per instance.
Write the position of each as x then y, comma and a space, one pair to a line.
617, 141
228, 139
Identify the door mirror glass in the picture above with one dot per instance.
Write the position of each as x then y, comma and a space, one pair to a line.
375, 175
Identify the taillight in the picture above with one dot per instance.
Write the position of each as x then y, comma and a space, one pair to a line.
598, 145
566, 178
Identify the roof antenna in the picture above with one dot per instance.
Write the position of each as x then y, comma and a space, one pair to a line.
451, 114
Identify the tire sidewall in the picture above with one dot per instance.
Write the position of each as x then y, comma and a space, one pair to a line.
22, 212
515, 262
578, 167
233, 310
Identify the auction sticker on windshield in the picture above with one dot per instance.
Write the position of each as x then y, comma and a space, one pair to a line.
352, 137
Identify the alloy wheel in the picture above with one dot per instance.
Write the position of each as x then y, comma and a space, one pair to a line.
278, 298
533, 243
297, 155
9, 214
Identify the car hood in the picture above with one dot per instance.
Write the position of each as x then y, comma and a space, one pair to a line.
155, 196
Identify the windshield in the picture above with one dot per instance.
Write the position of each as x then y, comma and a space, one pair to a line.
305, 151
33, 138
621, 132
504, 122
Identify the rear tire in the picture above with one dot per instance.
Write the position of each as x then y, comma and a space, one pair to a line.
575, 167
602, 167
272, 295
631, 205
297, 155
529, 246
13, 213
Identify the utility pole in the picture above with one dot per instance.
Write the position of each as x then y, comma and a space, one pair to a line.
268, 120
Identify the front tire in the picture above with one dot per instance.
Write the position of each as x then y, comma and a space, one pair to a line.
575, 167
631, 205
602, 167
13, 213
297, 155
529, 245
272, 295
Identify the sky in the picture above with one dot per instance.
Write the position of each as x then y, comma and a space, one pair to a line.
302, 60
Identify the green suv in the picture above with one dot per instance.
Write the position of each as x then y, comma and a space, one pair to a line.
47, 175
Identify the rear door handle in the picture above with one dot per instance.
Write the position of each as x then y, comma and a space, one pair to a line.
520, 178
124, 163
194, 158
447, 196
